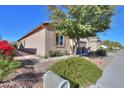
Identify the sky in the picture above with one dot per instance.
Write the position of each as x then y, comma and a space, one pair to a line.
16, 21
116, 31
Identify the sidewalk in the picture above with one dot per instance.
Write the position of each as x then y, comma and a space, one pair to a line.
38, 63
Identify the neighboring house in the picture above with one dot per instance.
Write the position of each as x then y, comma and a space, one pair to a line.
116, 48
45, 38
104, 47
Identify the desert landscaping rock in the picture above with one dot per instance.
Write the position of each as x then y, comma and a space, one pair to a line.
23, 78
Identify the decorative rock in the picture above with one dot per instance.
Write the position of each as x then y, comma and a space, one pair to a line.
22, 78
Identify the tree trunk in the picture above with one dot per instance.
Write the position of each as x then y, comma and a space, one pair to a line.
75, 51
75, 46
88, 44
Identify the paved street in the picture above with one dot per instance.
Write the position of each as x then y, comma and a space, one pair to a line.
113, 75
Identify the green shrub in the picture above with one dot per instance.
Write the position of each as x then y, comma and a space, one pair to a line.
6, 58
1, 74
57, 53
78, 71
7, 67
66, 53
3, 65
14, 53
91, 54
101, 53
54, 53
14, 45
14, 65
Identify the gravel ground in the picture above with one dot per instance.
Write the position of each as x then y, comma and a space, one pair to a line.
44, 66
24, 77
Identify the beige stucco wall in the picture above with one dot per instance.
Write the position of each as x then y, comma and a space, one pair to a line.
93, 46
50, 39
45, 40
35, 41
92, 42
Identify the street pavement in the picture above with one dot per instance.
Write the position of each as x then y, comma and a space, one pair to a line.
113, 74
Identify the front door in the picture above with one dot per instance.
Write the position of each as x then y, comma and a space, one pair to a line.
81, 51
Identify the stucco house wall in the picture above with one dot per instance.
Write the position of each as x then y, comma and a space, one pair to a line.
93, 46
35, 43
43, 40
92, 43
50, 37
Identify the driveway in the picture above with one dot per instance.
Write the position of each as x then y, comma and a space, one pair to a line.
113, 74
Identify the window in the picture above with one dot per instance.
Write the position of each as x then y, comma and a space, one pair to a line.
59, 39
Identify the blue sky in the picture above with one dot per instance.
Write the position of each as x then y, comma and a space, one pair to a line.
116, 32
16, 21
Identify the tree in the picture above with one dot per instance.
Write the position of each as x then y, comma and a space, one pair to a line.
106, 43
116, 44
112, 44
77, 22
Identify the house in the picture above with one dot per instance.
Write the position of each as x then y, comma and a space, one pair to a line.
116, 48
104, 47
45, 38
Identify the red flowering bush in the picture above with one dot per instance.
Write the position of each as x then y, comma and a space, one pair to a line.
6, 49
7, 64
3, 42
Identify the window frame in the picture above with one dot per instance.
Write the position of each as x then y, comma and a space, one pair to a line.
60, 40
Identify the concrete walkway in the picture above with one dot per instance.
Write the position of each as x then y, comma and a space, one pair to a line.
113, 75
38, 63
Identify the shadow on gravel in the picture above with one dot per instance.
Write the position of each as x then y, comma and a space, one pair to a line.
28, 62
28, 76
